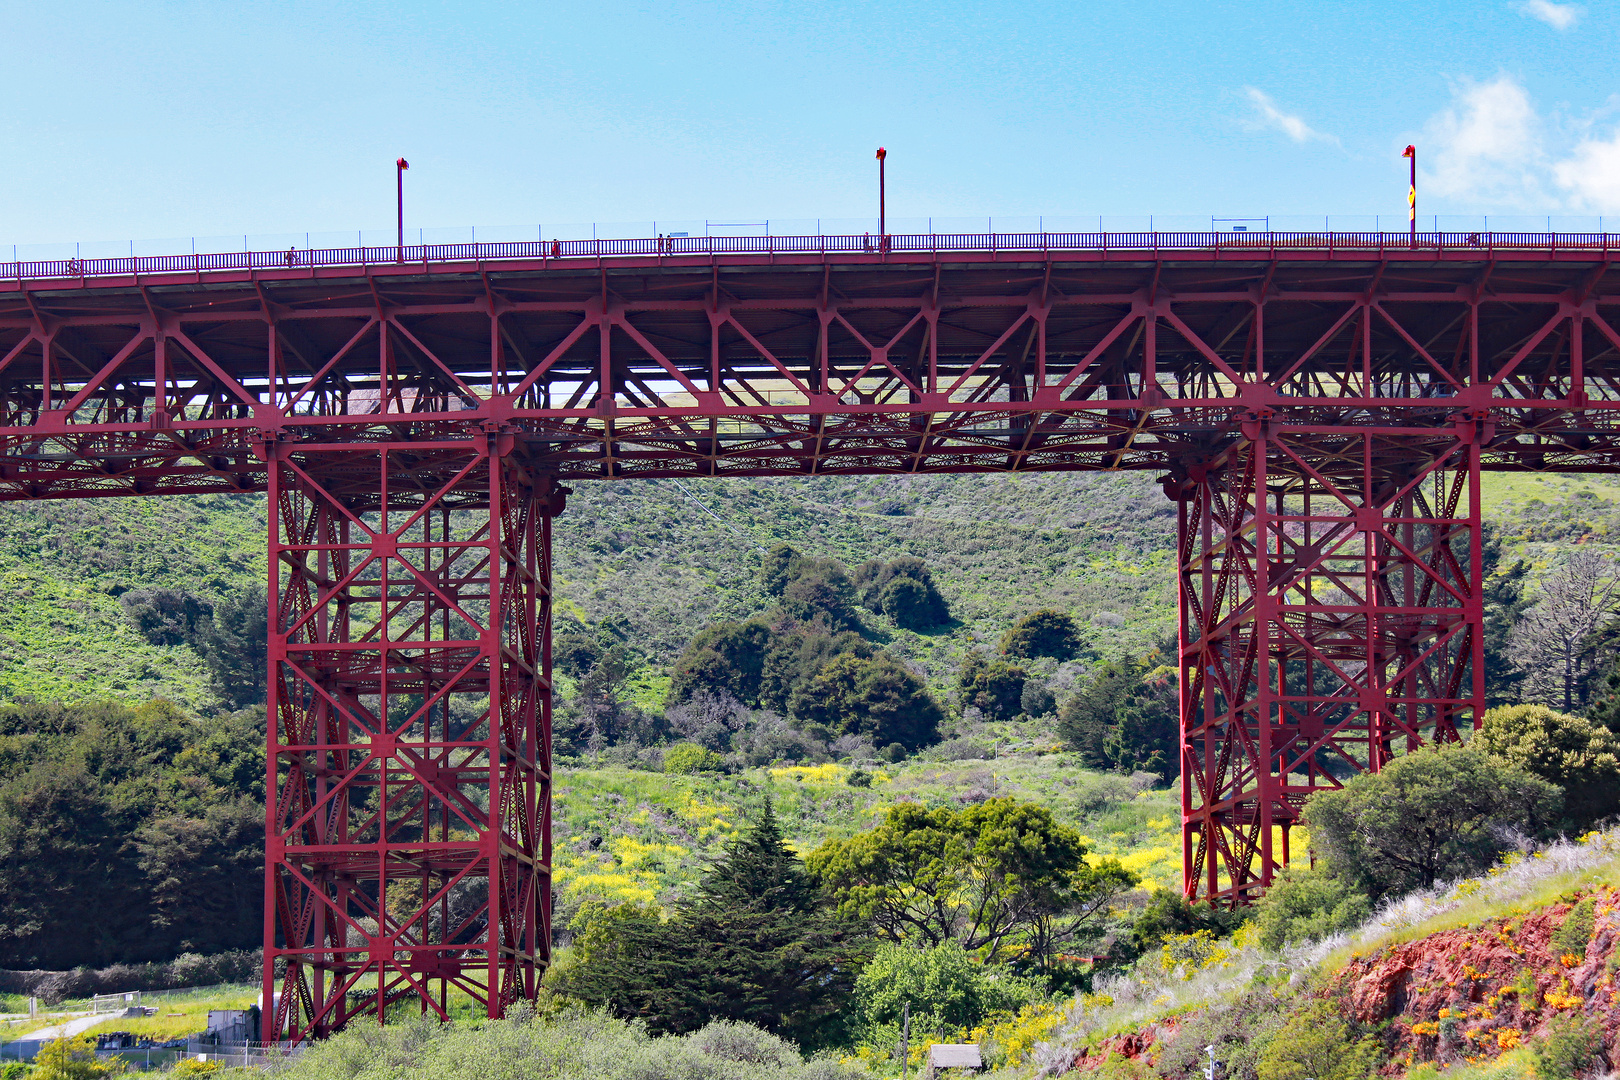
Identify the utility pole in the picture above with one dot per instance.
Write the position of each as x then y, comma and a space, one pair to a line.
1209, 1070
905, 1027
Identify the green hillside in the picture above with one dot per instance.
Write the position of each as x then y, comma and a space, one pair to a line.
642, 550
669, 557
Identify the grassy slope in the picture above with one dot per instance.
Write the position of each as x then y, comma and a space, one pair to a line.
647, 837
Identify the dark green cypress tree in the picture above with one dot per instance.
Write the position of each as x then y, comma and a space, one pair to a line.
755, 944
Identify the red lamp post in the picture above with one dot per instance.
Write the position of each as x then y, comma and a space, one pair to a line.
399, 179
883, 228
1411, 194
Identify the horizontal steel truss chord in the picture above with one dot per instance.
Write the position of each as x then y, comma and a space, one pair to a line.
743, 369
1330, 618
408, 825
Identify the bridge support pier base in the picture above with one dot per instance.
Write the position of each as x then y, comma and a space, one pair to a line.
409, 775
1330, 619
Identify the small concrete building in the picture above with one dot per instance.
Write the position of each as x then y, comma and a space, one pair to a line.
943, 1056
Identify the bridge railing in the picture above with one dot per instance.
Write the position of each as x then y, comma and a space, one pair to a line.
1248, 243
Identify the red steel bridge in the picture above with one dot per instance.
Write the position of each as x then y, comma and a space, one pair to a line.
1319, 406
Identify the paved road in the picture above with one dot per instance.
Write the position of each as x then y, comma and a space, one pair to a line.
71, 1027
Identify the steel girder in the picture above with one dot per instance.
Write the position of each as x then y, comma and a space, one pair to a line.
408, 825
754, 366
1322, 416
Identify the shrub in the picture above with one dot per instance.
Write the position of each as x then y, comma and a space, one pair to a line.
1170, 914
1237, 1029
1568, 1048
1319, 1045
688, 758
1575, 932
575, 1044
72, 1059
1043, 633
1305, 904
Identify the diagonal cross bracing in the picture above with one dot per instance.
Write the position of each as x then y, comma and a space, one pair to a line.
409, 754
1320, 407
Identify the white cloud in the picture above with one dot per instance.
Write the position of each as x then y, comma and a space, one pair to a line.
1269, 116
1490, 150
1486, 148
1558, 16
1591, 174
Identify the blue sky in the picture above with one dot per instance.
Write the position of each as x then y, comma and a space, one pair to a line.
171, 120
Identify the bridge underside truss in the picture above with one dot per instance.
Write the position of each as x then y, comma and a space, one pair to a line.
1322, 418
409, 758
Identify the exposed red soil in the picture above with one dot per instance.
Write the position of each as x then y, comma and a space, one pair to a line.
1470, 994
1462, 995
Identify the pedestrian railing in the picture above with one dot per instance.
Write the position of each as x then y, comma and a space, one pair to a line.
1244, 244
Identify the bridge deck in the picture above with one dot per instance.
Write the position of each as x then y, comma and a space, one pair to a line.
620, 362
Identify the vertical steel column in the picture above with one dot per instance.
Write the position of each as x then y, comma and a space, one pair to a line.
407, 829
1331, 619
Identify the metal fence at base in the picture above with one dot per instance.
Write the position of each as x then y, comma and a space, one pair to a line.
241, 1055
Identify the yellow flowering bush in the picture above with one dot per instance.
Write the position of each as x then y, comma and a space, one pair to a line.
1011, 1038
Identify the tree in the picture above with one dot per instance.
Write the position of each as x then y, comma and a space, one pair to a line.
167, 617
1125, 719
902, 589
795, 654
1504, 601
906, 601
1578, 755
600, 715
819, 591
942, 985
724, 657
63, 864
774, 568
988, 877
992, 685
1554, 642
234, 647
1046, 632
574, 649
1433, 814
204, 877
876, 696
755, 945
